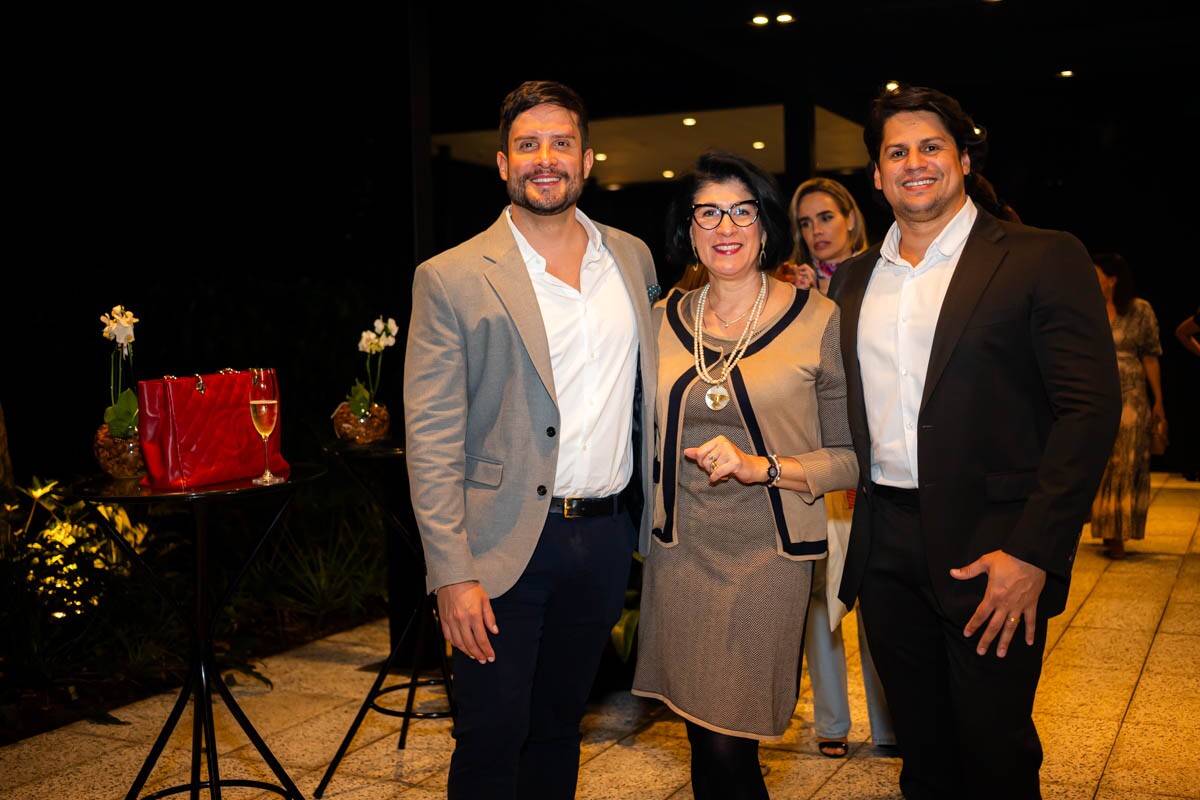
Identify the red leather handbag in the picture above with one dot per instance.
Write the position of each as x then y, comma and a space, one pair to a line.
197, 431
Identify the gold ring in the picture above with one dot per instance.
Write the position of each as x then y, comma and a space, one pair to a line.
1014, 620
713, 462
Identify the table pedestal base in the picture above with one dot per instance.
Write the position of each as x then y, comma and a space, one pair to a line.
422, 617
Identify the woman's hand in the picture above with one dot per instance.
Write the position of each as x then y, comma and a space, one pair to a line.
722, 459
801, 275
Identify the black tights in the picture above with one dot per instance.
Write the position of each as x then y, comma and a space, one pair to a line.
724, 767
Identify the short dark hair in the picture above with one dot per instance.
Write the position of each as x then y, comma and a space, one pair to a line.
968, 137
718, 167
1114, 265
535, 93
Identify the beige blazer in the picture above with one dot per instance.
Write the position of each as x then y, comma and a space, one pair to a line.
480, 407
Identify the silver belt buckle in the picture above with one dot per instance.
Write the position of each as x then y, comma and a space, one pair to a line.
569, 506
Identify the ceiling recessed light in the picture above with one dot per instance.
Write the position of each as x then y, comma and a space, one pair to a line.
668, 173
1066, 73
784, 19
612, 187
891, 86
602, 156
689, 121
759, 145
760, 19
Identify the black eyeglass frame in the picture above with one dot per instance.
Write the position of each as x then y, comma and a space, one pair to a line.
725, 213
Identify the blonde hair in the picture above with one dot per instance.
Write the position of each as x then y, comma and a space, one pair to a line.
845, 203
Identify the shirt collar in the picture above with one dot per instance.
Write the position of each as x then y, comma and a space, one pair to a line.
533, 259
947, 243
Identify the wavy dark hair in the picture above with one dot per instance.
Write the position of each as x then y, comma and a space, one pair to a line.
535, 93
968, 137
719, 167
1114, 265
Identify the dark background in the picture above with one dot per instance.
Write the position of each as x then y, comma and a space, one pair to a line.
258, 188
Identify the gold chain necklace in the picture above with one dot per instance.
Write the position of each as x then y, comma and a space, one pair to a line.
717, 396
726, 323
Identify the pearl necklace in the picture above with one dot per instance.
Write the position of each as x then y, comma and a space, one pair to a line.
717, 396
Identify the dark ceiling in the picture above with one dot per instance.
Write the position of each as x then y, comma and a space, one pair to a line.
631, 58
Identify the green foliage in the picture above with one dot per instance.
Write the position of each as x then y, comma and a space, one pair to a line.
359, 399
82, 630
122, 415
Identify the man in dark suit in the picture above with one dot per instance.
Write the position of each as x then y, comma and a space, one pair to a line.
983, 399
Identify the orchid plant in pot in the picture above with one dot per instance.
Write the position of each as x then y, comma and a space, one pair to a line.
359, 417
116, 444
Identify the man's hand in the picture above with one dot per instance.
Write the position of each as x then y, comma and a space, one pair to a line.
466, 615
1013, 588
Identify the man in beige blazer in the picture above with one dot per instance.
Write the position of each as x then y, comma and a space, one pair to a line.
529, 394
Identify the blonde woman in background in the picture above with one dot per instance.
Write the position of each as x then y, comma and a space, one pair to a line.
827, 228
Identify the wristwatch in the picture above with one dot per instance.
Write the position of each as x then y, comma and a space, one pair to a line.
773, 474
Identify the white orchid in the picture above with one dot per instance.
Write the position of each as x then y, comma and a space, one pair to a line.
372, 342
119, 328
121, 415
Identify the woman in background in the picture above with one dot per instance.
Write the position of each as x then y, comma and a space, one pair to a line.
827, 228
1119, 510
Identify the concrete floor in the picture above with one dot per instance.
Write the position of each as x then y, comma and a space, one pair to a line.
1118, 710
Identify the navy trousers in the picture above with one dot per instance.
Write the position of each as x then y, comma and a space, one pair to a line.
517, 729
963, 721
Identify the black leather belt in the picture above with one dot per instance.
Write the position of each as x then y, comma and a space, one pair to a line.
571, 507
905, 498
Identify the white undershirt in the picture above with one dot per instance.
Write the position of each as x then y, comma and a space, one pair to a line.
895, 332
593, 341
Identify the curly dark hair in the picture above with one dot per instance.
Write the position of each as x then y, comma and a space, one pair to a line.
719, 167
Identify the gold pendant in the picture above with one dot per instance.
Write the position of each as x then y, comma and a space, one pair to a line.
717, 397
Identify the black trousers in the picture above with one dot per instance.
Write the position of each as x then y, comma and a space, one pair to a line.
517, 729
963, 721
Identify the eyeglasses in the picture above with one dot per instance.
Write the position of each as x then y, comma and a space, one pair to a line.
708, 216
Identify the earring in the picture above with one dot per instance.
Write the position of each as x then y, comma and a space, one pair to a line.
695, 267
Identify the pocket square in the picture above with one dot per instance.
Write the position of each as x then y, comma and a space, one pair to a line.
654, 291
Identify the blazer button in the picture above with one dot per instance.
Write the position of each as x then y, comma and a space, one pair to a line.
541, 491
551, 432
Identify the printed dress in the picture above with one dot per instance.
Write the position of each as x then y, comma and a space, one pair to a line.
1119, 510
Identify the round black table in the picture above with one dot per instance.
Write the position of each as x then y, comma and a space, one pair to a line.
203, 674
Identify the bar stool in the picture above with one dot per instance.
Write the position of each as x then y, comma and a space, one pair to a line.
417, 632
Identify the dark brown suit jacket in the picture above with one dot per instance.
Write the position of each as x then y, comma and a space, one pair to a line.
1018, 416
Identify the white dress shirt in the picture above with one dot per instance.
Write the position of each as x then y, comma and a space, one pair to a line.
895, 332
593, 341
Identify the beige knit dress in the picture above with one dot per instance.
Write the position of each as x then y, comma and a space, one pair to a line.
723, 609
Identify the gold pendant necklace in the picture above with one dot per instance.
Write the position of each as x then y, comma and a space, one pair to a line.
717, 396
726, 324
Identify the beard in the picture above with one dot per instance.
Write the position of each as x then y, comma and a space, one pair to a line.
522, 192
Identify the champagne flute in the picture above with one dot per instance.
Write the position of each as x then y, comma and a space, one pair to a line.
264, 411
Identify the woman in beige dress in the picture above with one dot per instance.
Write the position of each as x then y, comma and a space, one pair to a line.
752, 431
